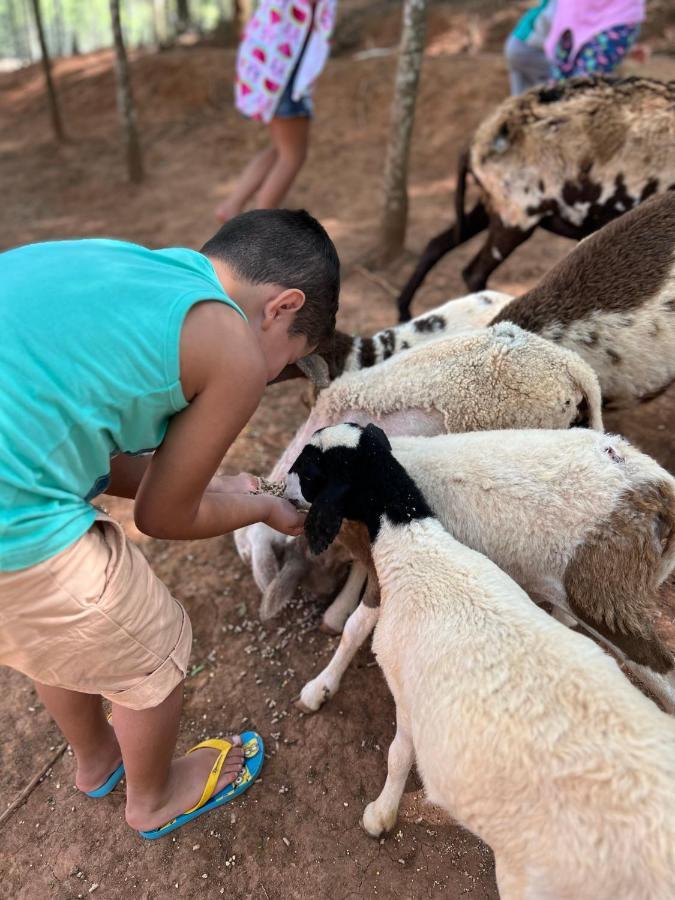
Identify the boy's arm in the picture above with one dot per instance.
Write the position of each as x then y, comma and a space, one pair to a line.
127, 471
224, 372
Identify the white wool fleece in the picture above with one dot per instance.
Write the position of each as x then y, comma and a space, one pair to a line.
498, 377
523, 731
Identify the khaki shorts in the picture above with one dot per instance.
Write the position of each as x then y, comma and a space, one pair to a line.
96, 619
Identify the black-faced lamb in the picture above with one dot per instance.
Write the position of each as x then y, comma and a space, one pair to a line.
568, 158
522, 730
580, 520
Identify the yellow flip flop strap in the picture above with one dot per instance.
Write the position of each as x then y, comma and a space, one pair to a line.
212, 780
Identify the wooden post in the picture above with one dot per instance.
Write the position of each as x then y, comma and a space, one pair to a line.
125, 101
52, 99
395, 212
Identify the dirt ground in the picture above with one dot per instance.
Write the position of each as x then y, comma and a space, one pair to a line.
296, 833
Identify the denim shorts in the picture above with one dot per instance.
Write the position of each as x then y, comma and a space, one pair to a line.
289, 108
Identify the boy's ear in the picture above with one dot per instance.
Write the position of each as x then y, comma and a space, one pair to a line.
287, 302
324, 518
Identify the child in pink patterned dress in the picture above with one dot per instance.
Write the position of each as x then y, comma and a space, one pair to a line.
284, 48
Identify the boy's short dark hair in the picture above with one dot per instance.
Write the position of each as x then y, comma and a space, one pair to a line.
289, 248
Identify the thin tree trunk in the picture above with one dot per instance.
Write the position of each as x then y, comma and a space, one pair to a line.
183, 15
52, 99
395, 213
125, 101
159, 21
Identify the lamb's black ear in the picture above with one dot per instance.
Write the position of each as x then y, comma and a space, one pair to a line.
325, 517
373, 433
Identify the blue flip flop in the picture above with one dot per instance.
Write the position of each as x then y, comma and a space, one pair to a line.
109, 785
254, 755
113, 779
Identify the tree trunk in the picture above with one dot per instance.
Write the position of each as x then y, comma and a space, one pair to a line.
159, 22
52, 99
183, 15
125, 101
395, 213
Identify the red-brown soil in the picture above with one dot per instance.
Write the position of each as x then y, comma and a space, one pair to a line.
297, 833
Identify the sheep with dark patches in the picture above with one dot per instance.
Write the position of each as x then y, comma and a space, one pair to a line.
523, 731
568, 159
349, 353
580, 520
612, 301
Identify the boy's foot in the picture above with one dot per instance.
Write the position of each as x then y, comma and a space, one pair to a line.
187, 778
93, 774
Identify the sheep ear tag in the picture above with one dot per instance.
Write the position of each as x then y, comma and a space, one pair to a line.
324, 519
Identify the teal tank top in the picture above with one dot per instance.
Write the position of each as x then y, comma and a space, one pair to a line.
89, 367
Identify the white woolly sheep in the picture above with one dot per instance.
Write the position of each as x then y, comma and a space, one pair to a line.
568, 158
499, 377
522, 730
578, 519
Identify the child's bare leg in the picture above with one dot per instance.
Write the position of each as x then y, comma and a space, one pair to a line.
159, 787
291, 140
81, 720
249, 181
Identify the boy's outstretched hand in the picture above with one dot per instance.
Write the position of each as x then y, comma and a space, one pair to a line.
284, 517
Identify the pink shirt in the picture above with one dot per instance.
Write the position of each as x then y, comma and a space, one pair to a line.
586, 18
270, 48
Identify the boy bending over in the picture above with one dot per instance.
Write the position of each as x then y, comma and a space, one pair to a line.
111, 350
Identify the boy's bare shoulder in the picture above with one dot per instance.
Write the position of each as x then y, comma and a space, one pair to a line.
217, 344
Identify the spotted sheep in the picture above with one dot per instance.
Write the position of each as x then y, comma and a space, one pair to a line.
523, 731
498, 377
568, 158
581, 520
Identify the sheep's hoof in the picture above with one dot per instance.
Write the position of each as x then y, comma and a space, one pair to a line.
298, 704
374, 823
328, 629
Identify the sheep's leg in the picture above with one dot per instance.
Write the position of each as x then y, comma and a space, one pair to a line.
473, 223
285, 583
380, 815
357, 628
662, 686
346, 601
501, 241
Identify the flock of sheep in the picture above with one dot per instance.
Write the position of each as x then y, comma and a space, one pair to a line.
464, 515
